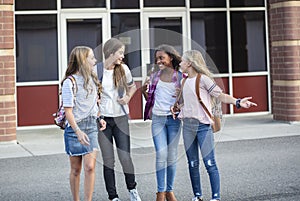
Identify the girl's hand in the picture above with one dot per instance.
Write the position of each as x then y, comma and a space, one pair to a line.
103, 124
145, 85
124, 100
174, 110
83, 138
245, 103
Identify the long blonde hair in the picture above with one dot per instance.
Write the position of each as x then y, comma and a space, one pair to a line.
199, 65
78, 63
197, 61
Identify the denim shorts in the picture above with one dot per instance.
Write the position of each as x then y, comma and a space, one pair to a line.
73, 147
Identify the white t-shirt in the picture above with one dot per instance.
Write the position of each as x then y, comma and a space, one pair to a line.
165, 97
109, 106
192, 108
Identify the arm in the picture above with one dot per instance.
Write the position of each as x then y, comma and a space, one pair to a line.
145, 87
125, 99
82, 137
244, 102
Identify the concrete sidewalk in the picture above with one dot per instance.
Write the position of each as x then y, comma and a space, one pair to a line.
37, 142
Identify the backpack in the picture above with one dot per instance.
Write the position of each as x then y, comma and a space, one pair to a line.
60, 116
216, 114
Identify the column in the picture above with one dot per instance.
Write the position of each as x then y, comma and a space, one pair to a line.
7, 73
284, 33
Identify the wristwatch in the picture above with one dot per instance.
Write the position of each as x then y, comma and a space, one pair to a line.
237, 103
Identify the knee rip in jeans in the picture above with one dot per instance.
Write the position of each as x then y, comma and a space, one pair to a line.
209, 163
194, 163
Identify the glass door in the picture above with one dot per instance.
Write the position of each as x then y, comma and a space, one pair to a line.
86, 31
167, 28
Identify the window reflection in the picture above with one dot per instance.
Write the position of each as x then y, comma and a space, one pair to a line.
36, 48
126, 27
35, 5
242, 3
91, 29
207, 3
209, 33
83, 4
164, 3
248, 41
124, 4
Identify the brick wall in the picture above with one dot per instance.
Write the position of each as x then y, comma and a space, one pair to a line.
7, 73
284, 33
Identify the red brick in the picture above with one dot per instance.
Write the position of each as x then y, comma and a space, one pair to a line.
8, 138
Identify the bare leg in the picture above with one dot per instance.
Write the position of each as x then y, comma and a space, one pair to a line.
89, 175
75, 176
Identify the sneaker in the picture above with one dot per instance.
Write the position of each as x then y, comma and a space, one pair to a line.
197, 199
214, 200
116, 199
134, 195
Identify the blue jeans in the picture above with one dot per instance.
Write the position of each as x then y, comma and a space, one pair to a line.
196, 134
165, 134
73, 147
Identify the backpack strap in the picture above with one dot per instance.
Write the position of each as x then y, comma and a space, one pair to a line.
177, 102
72, 78
100, 71
198, 95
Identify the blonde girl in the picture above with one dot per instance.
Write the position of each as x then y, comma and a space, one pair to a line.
80, 105
197, 130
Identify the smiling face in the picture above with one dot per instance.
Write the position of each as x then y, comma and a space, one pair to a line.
184, 65
91, 60
163, 60
118, 56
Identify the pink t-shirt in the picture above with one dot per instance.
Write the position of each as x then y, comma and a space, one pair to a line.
192, 108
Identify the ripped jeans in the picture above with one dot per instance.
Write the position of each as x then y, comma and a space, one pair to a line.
196, 134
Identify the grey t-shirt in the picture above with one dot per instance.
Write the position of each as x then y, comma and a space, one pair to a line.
84, 103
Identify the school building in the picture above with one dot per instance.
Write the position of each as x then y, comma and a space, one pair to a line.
254, 44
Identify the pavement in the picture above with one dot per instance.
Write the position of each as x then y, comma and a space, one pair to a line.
258, 159
39, 142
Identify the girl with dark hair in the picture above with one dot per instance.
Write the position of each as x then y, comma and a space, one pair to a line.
160, 91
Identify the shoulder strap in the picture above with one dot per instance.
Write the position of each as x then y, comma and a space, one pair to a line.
197, 86
180, 93
100, 71
71, 77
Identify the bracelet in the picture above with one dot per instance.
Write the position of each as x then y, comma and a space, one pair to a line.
237, 103
76, 129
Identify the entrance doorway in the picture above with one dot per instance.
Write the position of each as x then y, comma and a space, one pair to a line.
169, 28
86, 31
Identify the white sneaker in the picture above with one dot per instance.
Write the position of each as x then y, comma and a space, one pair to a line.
116, 199
134, 195
214, 200
197, 199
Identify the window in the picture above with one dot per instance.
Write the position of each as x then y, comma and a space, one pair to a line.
207, 3
126, 27
164, 3
83, 4
248, 41
36, 48
35, 5
243, 3
91, 29
209, 34
115, 4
